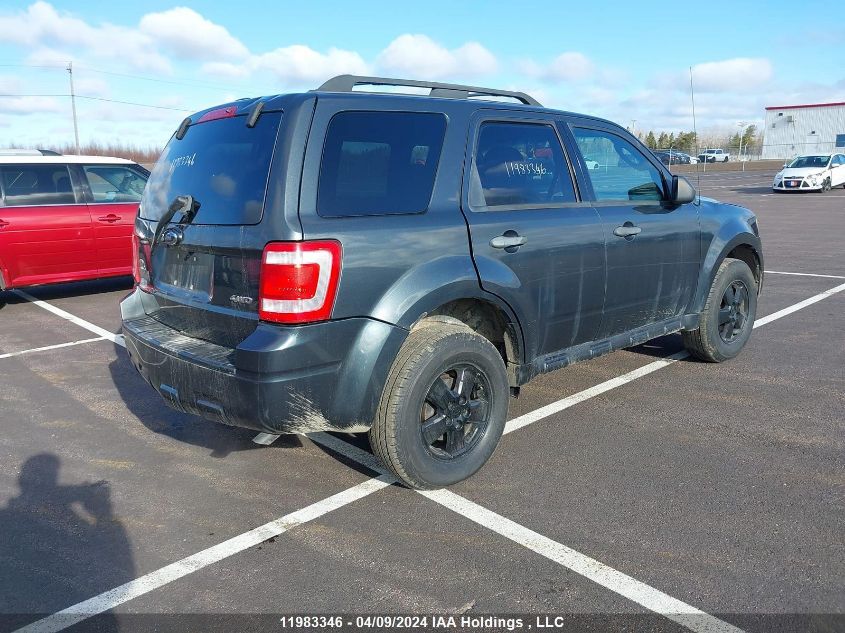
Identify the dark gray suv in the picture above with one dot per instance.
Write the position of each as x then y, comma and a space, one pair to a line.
353, 261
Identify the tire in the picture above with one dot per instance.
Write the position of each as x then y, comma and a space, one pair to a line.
437, 353
825, 186
716, 342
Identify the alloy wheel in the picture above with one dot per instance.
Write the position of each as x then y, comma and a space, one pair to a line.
455, 413
733, 311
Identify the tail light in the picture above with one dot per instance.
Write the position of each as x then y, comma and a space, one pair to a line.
140, 263
299, 281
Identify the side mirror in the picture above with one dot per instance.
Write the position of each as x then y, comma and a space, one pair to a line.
682, 191
785, 165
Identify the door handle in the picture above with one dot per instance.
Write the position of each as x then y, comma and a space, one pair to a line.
3, 224
111, 217
510, 240
627, 230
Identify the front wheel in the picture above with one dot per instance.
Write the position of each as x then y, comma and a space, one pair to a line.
443, 408
826, 186
728, 316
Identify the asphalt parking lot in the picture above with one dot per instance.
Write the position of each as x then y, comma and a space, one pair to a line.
669, 493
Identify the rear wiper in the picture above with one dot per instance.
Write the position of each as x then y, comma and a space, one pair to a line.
186, 205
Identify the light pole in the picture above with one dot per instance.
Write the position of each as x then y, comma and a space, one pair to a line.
741, 125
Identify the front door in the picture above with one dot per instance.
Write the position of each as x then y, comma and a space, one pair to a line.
534, 243
653, 249
45, 234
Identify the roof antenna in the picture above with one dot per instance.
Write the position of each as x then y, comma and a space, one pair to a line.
695, 132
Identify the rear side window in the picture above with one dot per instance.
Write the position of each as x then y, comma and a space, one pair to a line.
618, 171
115, 183
223, 164
379, 163
519, 165
32, 185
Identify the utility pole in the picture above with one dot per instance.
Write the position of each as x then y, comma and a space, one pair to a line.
73, 106
741, 125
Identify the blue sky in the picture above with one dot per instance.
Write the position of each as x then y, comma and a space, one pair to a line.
627, 61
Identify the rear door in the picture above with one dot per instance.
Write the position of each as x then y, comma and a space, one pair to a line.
113, 193
45, 229
534, 242
653, 247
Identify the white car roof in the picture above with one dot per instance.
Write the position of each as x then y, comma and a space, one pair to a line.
64, 160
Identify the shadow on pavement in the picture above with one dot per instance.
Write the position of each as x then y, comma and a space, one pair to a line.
59, 545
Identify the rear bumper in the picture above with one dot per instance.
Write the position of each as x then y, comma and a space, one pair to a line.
280, 379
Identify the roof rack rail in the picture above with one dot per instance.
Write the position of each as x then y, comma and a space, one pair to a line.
347, 83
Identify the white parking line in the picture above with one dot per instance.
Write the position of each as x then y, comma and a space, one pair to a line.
606, 576
780, 272
601, 574
160, 577
798, 306
96, 329
49, 347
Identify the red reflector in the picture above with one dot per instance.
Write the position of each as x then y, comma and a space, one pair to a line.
292, 282
299, 281
221, 113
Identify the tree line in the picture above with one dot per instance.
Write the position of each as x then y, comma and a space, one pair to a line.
688, 141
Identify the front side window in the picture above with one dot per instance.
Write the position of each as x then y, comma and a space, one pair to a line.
33, 185
623, 172
379, 163
115, 183
517, 164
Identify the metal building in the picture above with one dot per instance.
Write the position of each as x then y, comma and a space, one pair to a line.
803, 129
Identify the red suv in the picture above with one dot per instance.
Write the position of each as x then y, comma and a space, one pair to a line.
66, 218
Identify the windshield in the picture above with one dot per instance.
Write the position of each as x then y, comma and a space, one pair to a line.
222, 164
809, 161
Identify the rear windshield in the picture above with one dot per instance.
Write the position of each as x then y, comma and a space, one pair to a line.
223, 164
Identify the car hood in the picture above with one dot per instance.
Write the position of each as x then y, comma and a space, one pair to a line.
801, 172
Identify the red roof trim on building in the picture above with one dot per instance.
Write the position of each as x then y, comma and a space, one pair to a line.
806, 105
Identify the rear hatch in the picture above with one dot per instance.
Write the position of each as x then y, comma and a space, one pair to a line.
205, 200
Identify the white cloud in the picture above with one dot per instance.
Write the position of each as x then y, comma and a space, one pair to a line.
227, 70
41, 25
569, 66
187, 33
566, 67
420, 56
29, 105
742, 74
292, 65
300, 63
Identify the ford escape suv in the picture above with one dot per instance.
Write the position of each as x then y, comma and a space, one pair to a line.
341, 260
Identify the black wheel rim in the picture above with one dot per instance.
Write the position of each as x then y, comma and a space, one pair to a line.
733, 312
456, 412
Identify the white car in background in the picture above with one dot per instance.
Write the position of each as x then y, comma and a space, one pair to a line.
813, 172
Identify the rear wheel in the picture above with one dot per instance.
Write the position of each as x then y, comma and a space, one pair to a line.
728, 316
443, 408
